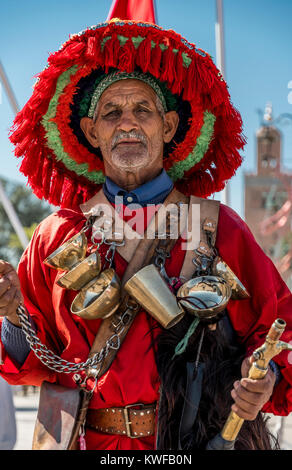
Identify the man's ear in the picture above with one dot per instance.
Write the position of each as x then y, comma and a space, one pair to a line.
88, 128
170, 125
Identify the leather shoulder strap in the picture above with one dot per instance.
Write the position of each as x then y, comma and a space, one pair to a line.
147, 245
206, 216
141, 257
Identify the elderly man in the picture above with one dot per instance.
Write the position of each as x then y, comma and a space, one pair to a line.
140, 110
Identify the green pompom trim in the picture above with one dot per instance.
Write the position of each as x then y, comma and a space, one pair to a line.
136, 40
86, 100
178, 169
53, 135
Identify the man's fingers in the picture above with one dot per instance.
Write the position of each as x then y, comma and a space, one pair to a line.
5, 267
246, 366
8, 298
12, 276
242, 394
249, 416
260, 386
10, 293
246, 404
243, 405
5, 285
250, 395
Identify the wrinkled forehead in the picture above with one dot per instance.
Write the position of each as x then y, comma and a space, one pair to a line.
132, 89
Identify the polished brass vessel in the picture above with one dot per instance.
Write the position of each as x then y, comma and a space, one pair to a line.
100, 298
100, 292
149, 289
68, 254
205, 297
238, 291
82, 273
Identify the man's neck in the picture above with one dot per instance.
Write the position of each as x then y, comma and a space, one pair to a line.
130, 180
153, 191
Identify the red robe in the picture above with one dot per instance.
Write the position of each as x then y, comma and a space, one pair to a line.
133, 377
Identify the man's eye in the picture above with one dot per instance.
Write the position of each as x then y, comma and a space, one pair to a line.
112, 114
143, 110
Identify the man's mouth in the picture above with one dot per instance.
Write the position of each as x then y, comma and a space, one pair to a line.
128, 142
131, 138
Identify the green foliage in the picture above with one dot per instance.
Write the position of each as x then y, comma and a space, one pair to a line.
286, 244
30, 210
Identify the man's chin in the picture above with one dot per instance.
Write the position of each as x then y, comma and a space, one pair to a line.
130, 161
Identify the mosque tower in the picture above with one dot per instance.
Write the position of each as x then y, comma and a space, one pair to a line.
268, 198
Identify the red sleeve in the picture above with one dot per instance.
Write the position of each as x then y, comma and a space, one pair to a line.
270, 298
36, 285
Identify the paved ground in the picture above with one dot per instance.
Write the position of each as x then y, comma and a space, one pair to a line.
26, 411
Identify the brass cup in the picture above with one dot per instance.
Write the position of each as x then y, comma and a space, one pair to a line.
238, 291
82, 273
69, 254
205, 297
149, 289
100, 298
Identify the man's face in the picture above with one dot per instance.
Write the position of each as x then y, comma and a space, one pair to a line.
128, 127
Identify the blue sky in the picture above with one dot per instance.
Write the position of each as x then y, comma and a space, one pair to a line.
258, 56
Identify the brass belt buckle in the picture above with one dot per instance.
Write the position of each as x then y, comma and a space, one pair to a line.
127, 419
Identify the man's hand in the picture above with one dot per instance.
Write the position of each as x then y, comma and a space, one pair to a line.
10, 294
250, 395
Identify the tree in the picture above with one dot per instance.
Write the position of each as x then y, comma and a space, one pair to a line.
30, 211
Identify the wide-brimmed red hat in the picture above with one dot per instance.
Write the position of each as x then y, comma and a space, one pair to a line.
59, 162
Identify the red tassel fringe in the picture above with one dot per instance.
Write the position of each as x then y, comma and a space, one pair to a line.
143, 56
111, 52
155, 63
127, 55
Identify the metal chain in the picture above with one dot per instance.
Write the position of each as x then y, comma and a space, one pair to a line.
52, 360
55, 362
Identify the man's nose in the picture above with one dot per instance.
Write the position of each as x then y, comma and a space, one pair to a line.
128, 122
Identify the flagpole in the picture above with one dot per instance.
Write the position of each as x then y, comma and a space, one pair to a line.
220, 62
8, 207
8, 89
155, 11
219, 35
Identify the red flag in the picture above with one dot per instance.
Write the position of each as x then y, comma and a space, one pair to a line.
137, 10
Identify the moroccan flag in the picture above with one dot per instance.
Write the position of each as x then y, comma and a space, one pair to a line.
137, 10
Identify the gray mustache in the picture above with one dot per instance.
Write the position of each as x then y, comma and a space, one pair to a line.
128, 135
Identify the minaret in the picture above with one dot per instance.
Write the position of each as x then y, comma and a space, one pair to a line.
268, 146
268, 210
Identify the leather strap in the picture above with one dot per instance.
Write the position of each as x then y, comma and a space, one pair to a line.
142, 256
208, 213
133, 420
144, 251
192, 401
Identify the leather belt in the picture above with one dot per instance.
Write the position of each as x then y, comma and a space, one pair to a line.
134, 421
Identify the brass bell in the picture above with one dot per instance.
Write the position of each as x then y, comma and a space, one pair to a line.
205, 297
69, 254
81, 273
100, 298
149, 289
238, 291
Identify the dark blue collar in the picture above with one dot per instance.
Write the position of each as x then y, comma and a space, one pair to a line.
152, 192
